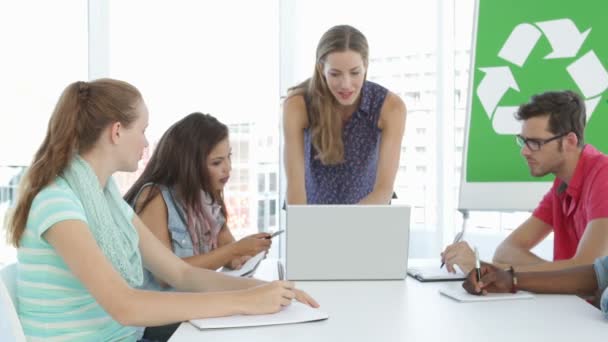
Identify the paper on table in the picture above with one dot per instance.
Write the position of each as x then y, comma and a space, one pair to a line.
248, 267
461, 295
294, 313
435, 273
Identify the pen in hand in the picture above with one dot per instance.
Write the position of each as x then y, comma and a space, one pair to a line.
457, 239
277, 233
477, 265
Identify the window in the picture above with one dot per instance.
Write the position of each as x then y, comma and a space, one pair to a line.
204, 57
40, 56
242, 153
261, 183
261, 215
243, 179
273, 212
197, 72
272, 182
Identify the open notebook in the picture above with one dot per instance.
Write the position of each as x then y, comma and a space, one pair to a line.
294, 313
461, 295
428, 273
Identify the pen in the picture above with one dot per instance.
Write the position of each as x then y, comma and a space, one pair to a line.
457, 239
278, 232
477, 266
280, 269
460, 235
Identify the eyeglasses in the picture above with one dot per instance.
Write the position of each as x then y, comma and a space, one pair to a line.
536, 144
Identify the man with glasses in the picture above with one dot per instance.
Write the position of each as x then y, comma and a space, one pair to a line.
576, 207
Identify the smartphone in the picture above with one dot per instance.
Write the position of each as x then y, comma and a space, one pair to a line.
278, 232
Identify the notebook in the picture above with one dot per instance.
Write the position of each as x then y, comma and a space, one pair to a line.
426, 274
347, 242
461, 295
248, 268
294, 313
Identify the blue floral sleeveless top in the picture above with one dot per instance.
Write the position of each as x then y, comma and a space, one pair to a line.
351, 181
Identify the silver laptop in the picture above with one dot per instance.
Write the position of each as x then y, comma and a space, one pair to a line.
347, 242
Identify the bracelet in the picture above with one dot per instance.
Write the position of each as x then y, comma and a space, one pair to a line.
513, 278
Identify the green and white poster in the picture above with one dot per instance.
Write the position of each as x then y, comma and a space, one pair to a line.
521, 48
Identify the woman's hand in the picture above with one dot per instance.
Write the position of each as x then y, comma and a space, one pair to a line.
238, 262
272, 297
268, 298
305, 298
253, 244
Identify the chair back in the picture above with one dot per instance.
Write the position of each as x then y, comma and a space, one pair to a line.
10, 327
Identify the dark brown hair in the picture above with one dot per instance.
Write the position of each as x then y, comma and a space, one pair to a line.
326, 122
566, 111
179, 161
83, 111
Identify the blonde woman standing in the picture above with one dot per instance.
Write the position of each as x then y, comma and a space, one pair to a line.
342, 133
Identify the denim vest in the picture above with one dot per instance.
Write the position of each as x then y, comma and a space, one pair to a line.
601, 272
178, 231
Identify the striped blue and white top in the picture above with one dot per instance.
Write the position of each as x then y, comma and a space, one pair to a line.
52, 303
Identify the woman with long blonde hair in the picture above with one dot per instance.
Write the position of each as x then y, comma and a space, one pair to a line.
342, 133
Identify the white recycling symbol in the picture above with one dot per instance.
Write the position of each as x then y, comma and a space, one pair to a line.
587, 71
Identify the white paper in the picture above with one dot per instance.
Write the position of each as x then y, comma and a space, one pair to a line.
461, 295
294, 313
248, 267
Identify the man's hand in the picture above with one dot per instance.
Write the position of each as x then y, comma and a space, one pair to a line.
493, 280
458, 254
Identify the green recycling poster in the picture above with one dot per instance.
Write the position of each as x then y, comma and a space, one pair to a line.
525, 47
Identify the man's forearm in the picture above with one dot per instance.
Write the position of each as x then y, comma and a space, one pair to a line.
580, 280
511, 255
551, 265
525, 261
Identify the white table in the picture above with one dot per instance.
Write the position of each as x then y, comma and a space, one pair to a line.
412, 311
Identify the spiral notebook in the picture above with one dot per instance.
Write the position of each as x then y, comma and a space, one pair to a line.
425, 274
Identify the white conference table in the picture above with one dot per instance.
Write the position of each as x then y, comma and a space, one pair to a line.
407, 310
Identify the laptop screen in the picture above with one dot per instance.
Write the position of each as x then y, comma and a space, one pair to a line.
347, 242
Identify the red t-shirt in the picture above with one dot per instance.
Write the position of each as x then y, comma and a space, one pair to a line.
568, 208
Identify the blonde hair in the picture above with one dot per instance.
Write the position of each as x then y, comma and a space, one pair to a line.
326, 122
83, 111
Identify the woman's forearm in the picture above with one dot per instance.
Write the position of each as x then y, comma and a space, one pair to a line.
199, 279
378, 196
215, 259
152, 308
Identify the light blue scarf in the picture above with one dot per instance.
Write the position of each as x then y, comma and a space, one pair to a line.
112, 229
